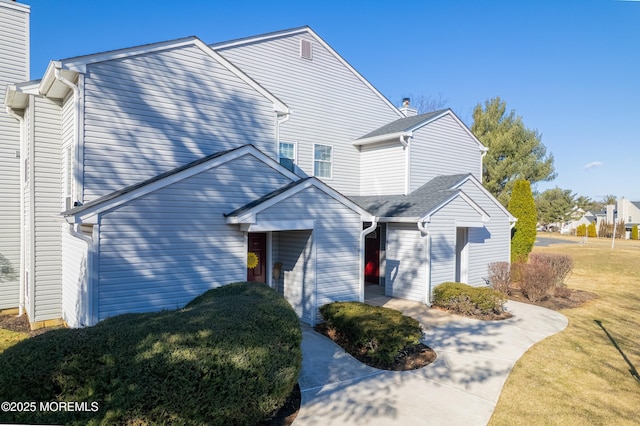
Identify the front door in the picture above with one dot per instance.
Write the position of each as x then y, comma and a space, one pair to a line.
372, 257
257, 244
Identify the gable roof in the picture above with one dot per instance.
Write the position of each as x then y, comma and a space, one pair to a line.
306, 30
247, 212
419, 204
68, 69
107, 202
404, 127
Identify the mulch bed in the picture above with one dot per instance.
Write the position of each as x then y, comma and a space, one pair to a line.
410, 358
564, 298
20, 324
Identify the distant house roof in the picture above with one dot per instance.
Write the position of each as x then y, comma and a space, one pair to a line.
418, 203
636, 203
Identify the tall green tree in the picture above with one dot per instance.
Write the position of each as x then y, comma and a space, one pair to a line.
523, 208
515, 152
588, 205
555, 205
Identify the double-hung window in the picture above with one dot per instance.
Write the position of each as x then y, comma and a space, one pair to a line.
287, 154
323, 161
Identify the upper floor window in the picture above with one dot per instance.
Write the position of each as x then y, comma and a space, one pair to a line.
287, 154
323, 161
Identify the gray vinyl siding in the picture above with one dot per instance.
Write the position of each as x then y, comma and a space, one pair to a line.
161, 250
75, 264
442, 229
330, 105
336, 235
406, 262
442, 147
45, 177
150, 113
382, 169
14, 68
298, 265
491, 243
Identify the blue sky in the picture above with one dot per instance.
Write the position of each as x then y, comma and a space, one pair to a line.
571, 69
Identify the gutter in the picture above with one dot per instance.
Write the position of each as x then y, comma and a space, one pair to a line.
422, 227
363, 234
20, 119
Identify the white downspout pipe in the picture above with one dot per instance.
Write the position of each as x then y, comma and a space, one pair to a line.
363, 235
422, 227
20, 119
76, 132
280, 119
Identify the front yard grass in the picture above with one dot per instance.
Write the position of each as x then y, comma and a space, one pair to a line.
9, 338
231, 356
578, 376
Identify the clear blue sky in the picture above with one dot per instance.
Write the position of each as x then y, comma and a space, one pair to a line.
571, 69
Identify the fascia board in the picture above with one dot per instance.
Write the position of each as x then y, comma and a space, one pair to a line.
458, 193
487, 193
381, 138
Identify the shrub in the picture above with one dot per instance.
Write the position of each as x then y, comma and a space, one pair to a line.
536, 280
381, 331
468, 300
634, 232
592, 232
500, 276
231, 356
523, 207
581, 230
560, 264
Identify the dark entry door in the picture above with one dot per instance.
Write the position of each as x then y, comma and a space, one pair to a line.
257, 244
372, 257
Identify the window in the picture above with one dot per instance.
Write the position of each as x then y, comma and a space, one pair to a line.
306, 49
287, 154
322, 161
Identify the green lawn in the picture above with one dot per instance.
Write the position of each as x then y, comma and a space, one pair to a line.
579, 376
10, 338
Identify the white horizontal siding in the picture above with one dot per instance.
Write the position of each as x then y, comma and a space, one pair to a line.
298, 270
14, 68
382, 169
489, 244
331, 105
147, 114
162, 250
406, 262
46, 187
442, 147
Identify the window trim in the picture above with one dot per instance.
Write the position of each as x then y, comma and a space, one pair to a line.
295, 151
323, 161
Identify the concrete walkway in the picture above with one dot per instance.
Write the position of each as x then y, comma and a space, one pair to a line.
461, 387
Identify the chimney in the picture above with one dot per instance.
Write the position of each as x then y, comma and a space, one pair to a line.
406, 110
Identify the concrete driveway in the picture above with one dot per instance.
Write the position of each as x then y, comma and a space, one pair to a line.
461, 387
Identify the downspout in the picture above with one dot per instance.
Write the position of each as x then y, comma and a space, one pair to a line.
407, 163
482, 155
280, 119
422, 227
363, 235
20, 119
89, 278
76, 135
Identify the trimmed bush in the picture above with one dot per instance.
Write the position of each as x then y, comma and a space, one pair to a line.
536, 280
634, 232
581, 230
523, 207
382, 332
231, 356
500, 276
592, 232
468, 300
560, 264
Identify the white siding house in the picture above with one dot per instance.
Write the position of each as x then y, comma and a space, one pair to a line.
14, 67
152, 172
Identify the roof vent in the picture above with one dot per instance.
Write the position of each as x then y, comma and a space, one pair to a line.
306, 49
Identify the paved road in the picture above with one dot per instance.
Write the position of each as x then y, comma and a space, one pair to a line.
547, 241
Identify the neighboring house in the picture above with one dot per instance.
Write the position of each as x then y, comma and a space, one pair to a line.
625, 211
165, 164
14, 66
